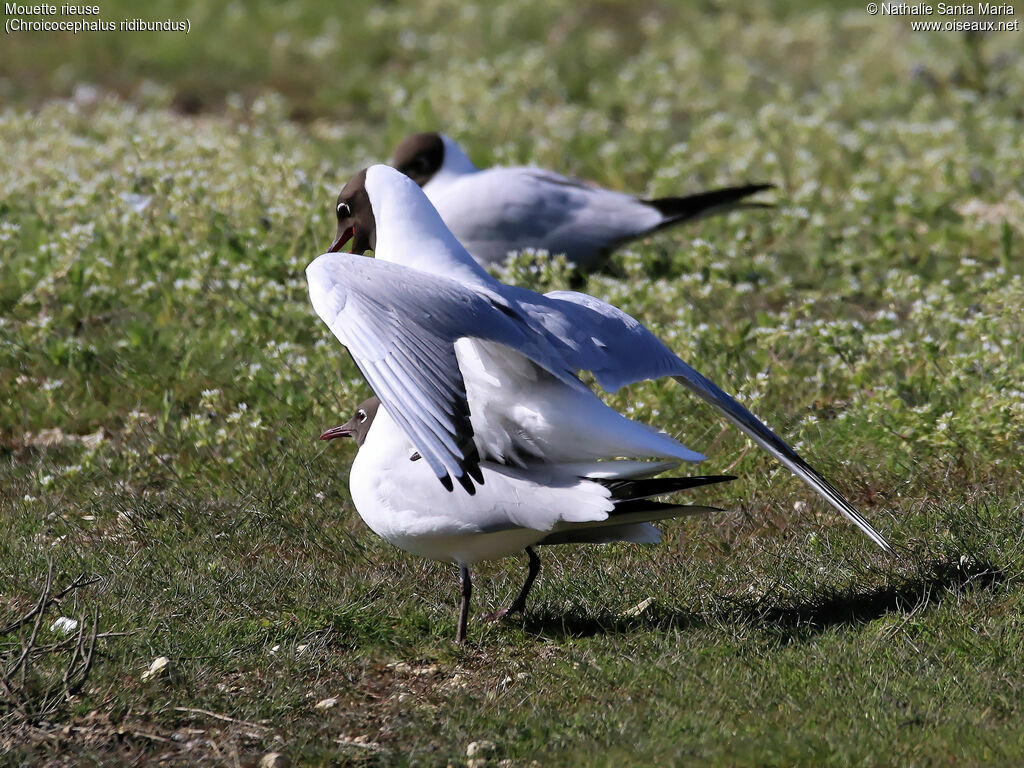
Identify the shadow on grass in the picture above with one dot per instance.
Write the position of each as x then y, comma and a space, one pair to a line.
934, 582
791, 621
577, 624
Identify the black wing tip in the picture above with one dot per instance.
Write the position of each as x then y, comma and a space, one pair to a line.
467, 483
694, 481
469, 476
683, 208
657, 486
709, 479
634, 506
469, 469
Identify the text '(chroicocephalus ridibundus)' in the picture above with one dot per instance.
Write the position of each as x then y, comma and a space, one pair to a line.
472, 370
494, 211
515, 508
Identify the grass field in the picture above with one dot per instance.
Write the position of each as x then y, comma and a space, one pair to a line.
165, 381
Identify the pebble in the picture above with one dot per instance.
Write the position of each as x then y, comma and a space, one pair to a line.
64, 625
161, 666
639, 608
480, 748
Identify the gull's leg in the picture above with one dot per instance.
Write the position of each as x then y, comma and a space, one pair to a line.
519, 604
467, 590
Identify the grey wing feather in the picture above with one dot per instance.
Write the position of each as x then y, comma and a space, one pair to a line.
615, 347
527, 215
400, 326
505, 209
620, 351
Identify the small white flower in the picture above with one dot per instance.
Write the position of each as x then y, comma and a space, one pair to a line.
137, 203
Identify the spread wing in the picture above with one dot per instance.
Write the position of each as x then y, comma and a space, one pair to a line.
619, 351
400, 326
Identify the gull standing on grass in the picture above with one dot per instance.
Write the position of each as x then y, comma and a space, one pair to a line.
493, 211
477, 381
519, 504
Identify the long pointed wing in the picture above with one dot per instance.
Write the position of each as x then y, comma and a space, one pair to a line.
750, 425
620, 351
400, 326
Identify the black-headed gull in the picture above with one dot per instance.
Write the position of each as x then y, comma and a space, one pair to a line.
494, 211
473, 371
515, 508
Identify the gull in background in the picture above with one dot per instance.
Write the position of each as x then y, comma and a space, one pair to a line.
480, 379
493, 211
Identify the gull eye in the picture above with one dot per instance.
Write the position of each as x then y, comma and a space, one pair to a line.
420, 164
361, 415
343, 210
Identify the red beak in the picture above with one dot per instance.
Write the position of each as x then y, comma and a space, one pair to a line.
343, 238
343, 431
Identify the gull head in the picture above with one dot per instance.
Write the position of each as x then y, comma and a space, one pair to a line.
359, 425
431, 159
379, 198
419, 156
355, 217
384, 211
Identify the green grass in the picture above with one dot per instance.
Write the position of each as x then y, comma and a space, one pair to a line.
153, 236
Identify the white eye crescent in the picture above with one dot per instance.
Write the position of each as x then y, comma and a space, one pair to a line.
361, 416
344, 210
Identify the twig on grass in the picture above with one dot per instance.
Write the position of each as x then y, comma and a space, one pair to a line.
45, 598
28, 691
225, 718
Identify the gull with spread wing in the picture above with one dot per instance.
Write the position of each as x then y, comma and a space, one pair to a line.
477, 375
